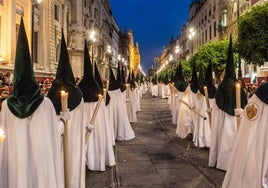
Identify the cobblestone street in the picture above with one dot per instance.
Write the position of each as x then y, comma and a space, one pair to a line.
157, 157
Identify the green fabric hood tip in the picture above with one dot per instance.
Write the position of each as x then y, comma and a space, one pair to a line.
179, 79
26, 96
194, 80
226, 96
208, 82
88, 85
64, 81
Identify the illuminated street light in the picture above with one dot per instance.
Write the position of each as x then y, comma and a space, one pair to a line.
191, 35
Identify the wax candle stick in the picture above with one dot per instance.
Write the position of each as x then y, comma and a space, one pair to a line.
238, 95
64, 101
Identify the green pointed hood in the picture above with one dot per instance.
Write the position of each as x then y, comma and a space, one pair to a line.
64, 81
225, 95
208, 82
97, 75
262, 92
88, 85
113, 84
26, 96
194, 81
123, 81
180, 82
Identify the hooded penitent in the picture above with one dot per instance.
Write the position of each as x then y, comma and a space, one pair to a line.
194, 81
208, 82
180, 82
88, 84
262, 92
113, 84
225, 95
26, 96
64, 81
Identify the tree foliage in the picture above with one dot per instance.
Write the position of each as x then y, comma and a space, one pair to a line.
216, 52
253, 35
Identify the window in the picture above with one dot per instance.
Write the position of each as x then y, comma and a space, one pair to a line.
56, 12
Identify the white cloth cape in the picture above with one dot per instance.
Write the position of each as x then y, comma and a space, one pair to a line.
186, 118
223, 134
118, 116
176, 106
99, 151
202, 132
30, 155
248, 165
154, 90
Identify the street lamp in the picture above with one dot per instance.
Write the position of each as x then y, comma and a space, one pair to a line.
92, 38
191, 35
34, 3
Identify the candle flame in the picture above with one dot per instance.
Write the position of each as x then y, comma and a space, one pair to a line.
62, 92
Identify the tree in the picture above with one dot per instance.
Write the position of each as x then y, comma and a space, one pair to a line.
253, 35
216, 52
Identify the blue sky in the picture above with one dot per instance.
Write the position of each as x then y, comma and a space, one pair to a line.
153, 23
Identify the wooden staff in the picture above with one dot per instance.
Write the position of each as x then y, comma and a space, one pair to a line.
238, 102
197, 113
64, 108
208, 105
105, 90
94, 115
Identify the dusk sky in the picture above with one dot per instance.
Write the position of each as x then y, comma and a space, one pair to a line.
153, 23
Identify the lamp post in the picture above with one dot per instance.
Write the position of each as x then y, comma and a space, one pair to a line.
177, 50
34, 3
92, 38
191, 35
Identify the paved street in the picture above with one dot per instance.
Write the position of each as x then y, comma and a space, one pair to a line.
157, 158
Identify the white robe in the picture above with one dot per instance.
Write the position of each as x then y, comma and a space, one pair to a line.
76, 137
132, 106
248, 166
186, 118
99, 152
154, 90
223, 134
202, 132
30, 155
176, 106
118, 116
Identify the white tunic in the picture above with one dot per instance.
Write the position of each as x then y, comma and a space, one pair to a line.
30, 155
118, 116
248, 166
99, 152
76, 138
186, 118
223, 134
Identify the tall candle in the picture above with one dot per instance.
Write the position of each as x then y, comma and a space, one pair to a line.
96, 110
238, 95
2, 135
206, 95
107, 85
64, 101
127, 91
